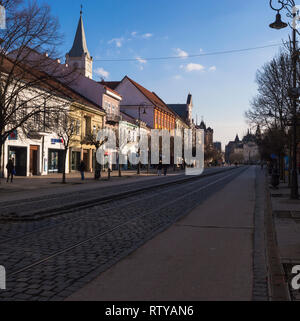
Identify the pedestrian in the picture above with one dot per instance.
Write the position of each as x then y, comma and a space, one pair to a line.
262, 165
159, 168
165, 166
10, 170
82, 169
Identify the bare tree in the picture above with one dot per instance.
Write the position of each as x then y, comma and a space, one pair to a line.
91, 139
272, 107
29, 71
65, 128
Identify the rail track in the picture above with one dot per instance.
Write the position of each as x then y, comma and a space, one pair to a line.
107, 242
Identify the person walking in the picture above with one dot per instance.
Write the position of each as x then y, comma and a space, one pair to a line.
159, 168
165, 166
82, 169
10, 170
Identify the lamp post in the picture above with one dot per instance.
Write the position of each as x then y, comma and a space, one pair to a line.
290, 7
139, 151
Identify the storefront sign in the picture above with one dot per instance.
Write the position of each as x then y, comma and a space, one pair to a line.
13, 135
56, 141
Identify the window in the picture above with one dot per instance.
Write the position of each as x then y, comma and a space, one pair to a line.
88, 125
77, 127
47, 118
37, 120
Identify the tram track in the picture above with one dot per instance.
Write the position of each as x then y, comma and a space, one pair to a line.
95, 251
90, 202
120, 225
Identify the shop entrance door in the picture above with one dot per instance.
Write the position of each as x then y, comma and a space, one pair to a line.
86, 160
19, 157
34, 159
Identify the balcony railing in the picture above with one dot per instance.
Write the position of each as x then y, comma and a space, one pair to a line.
112, 118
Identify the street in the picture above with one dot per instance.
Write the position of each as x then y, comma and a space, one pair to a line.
149, 153
52, 258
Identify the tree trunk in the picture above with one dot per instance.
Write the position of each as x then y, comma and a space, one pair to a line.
1, 162
120, 173
64, 167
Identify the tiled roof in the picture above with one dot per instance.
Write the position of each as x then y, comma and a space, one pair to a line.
179, 109
111, 84
151, 96
47, 80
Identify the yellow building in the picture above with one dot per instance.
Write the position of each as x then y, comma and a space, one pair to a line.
88, 120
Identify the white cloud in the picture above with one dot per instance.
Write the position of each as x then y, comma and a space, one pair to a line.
141, 62
117, 41
134, 33
147, 35
101, 72
177, 77
213, 68
193, 67
181, 53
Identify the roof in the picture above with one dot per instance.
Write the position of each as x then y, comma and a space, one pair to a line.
179, 109
56, 76
111, 84
152, 97
79, 45
189, 99
202, 125
131, 119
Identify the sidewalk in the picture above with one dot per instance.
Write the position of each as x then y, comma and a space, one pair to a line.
204, 256
286, 216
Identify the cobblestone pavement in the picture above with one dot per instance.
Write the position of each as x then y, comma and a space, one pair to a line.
27, 207
51, 258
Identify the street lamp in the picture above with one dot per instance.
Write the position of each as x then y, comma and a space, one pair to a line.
290, 6
139, 151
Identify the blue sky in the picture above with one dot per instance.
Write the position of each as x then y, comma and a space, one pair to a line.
222, 85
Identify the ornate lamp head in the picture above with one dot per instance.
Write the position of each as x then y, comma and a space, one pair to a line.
278, 24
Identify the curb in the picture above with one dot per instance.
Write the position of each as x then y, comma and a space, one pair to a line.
278, 288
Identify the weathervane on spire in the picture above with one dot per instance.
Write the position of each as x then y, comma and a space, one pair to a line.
81, 9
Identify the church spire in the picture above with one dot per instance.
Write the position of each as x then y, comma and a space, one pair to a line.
79, 57
79, 45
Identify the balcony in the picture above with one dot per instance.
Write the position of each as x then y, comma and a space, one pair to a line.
112, 119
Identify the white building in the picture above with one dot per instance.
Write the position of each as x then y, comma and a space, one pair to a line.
251, 152
39, 151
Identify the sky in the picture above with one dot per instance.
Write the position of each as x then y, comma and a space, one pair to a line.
222, 85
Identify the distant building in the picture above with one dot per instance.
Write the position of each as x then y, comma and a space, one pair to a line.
183, 113
247, 148
208, 135
230, 148
218, 146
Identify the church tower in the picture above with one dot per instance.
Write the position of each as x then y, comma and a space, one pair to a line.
79, 57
